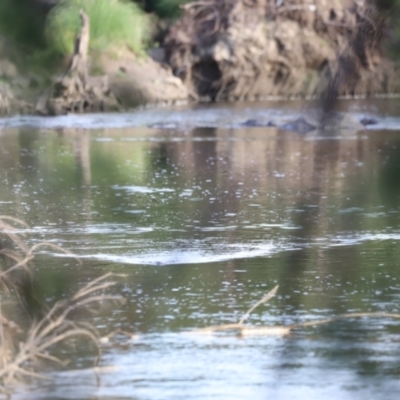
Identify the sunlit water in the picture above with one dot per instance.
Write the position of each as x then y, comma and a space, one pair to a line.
205, 217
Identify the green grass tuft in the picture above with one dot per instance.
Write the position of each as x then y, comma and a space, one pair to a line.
113, 24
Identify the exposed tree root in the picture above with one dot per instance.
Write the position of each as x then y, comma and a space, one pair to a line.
241, 49
76, 91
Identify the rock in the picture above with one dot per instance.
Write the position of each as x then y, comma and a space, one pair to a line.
165, 125
368, 121
299, 125
256, 123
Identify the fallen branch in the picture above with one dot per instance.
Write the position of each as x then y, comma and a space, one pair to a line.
281, 330
239, 325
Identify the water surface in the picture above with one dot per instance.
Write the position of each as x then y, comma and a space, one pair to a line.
204, 218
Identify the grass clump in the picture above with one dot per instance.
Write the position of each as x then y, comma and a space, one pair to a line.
113, 24
22, 21
30, 329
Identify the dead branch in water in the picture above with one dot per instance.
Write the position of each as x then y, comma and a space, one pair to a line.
239, 325
268, 296
281, 330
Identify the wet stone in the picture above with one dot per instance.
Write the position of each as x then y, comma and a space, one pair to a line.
300, 125
368, 121
255, 123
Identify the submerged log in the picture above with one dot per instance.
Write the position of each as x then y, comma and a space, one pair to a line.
76, 91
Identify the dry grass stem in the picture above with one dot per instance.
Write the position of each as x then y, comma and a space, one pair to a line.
53, 246
267, 297
13, 219
57, 325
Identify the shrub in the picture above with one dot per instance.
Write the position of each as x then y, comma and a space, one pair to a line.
23, 22
113, 24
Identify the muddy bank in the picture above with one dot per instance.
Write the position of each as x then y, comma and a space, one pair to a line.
228, 50
115, 82
125, 82
236, 50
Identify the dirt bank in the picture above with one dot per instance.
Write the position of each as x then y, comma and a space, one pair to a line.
241, 49
132, 81
236, 50
137, 81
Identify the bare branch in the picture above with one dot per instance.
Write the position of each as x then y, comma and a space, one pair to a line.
267, 297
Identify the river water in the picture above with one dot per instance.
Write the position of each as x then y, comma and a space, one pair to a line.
205, 217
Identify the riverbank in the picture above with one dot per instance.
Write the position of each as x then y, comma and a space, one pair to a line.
134, 81
230, 51
253, 50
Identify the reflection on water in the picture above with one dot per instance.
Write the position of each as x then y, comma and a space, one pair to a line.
205, 222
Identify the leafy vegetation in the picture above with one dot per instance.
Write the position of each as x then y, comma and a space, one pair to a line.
23, 22
113, 23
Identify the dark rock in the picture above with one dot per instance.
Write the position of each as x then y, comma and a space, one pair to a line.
300, 125
368, 121
253, 123
163, 125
